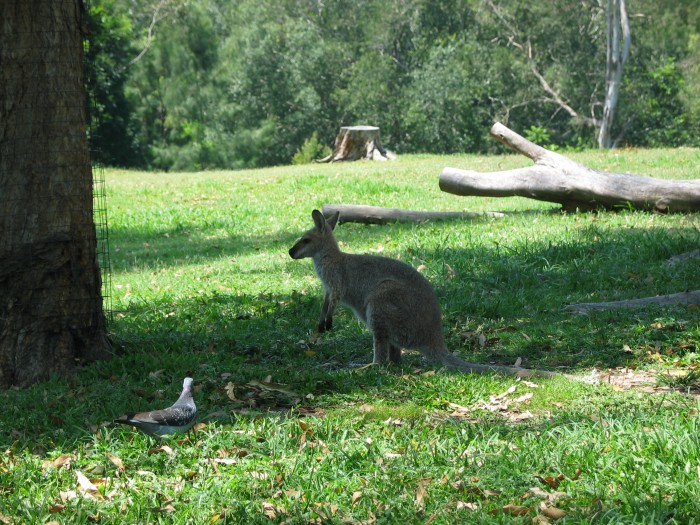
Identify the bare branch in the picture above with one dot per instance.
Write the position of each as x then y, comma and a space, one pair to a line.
151, 28
556, 97
528, 54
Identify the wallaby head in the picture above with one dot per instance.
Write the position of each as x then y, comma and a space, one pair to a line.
317, 238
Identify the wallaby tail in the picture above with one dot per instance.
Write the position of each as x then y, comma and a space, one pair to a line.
456, 363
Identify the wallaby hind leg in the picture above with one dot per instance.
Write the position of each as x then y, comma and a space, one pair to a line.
330, 303
382, 350
395, 354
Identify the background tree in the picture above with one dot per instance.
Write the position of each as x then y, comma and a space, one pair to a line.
50, 302
108, 54
244, 84
618, 41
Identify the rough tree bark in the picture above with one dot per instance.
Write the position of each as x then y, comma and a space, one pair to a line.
358, 143
379, 215
50, 299
555, 178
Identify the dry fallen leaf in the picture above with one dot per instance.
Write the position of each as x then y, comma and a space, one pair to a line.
421, 492
85, 484
67, 495
226, 461
163, 448
64, 460
356, 497
272, 511
167, 508
524, 397
551, 497
467, 505
514, 510
116, 461
551, 481
552, 512
230, 389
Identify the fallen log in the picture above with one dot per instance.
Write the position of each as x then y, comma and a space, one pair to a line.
556, 178
663, 300
683, 257
379, 215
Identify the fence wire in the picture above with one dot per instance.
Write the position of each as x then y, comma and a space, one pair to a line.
99, 199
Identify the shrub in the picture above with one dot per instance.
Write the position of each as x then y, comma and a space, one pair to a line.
310, 150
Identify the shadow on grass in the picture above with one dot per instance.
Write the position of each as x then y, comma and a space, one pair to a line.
513, 296
180, 246
190, 243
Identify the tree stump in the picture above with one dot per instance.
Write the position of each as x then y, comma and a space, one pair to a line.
358, 142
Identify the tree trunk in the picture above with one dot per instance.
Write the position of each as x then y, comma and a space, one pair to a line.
379, 215
50, 299
358, 142
555, 178
617, 22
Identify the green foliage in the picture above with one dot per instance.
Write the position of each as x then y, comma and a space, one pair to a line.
246, 83
311, 150
537, 134
108, 49
661, 117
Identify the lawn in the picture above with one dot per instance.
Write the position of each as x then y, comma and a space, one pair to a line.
293, 428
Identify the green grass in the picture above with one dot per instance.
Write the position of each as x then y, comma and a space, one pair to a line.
203, 286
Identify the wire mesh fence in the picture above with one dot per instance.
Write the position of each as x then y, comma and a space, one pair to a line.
99, 195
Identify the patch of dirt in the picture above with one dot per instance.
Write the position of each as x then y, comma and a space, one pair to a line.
643, 380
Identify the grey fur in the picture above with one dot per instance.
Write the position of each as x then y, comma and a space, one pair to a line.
397, 303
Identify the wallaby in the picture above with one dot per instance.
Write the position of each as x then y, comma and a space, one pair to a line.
395, 301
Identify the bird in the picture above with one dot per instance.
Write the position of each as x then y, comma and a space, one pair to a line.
177, 418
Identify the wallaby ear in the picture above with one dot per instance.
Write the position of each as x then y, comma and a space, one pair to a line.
319, 220
333, 220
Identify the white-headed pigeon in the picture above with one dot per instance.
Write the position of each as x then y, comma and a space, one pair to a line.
178, 418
